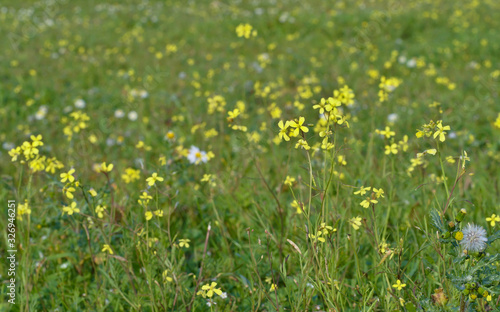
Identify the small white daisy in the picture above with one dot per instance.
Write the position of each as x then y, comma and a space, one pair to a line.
474, 238
196, 156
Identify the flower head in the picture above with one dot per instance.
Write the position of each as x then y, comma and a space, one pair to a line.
71, 209
494, 218
399, 285
152, 180
107, 248
474, 238
196, 156
209, 290
68, 176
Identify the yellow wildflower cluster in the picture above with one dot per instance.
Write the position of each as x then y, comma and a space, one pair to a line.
77, 122
373, 198
31, 153
387, 86
216, 103
436, 129
246, 31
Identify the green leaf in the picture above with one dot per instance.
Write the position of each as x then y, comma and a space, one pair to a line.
410, 307
436, 220
494, 237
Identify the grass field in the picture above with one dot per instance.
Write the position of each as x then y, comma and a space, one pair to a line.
250, 155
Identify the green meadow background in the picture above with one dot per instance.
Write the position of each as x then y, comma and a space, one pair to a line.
130, 83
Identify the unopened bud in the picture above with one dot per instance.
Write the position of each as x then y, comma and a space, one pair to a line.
461, 215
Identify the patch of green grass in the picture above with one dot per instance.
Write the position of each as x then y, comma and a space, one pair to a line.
277, 225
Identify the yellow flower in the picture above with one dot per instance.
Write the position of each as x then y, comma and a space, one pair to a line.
68, 190
295, 204
167, 278
148, 215
106, 168
92, 192
441, 131
298, 125
273, 287
303, 144
398, 285
393, 148
14, 153
144, 199
152, 180
245, 30
494, 218
131, 175
231, 115
99, 210
355, 222
36, 140
366, 203
341, 160
68, 176
387, 132
459, 236
184, 242
23, 209
29, 150
431, 151
71, 209
158, 213
106, 247
289, 181
209, 290
378, 192
362, 190
283, 130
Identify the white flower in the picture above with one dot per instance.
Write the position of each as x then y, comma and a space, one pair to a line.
196, 156
40, 114
210, 302
8, 146
132, 116
223, 295
392, 117
411, 63
79, 103
474, 238
119, 113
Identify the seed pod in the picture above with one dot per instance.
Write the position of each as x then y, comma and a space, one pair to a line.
473, 285
465, 292
480, 290
446, 235
451, 225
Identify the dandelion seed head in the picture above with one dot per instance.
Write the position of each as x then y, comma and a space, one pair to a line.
474, 238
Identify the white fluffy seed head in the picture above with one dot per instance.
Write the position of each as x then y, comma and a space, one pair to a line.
474, 238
